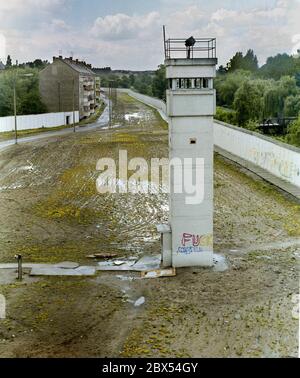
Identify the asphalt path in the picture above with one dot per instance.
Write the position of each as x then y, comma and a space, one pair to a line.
101, 122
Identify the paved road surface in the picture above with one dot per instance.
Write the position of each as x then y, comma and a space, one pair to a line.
101, 122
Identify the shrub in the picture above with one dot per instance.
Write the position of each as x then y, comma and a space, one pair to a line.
226, 115
293, 135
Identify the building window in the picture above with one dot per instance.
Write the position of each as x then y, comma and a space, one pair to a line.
194, 83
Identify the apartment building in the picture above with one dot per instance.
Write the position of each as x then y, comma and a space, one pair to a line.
68, 84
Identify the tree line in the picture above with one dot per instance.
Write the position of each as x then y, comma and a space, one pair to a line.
27, 88
246, 93
146, 83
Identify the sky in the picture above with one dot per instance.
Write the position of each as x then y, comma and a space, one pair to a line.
127, 34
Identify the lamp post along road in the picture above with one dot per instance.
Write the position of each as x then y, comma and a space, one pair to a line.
15, 112
15, 103
74, 129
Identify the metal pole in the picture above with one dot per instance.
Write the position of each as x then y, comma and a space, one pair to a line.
20, 271
74, 129
110, 104
15, 112
59, 104
164, 35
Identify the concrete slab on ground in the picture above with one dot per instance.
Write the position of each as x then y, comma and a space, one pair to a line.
54, 271
143, 264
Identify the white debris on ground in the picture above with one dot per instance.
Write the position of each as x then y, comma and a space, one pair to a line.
139, 302
143, 264
166, 272
219, 263
148, 265
125, 278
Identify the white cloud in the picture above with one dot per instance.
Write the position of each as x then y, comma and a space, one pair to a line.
57, 24
222, 14
192, 16
122, 26
2, 47
15, 5
135, 40
296, 43
267, 30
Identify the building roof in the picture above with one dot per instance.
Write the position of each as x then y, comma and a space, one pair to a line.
2, 66
77, 65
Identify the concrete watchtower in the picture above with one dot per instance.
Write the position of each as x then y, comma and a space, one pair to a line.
190, 69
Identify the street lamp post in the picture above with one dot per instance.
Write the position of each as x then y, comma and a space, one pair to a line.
15, 112
15, 104
74, 129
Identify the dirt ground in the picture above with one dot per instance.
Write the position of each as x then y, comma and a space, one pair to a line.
51, 212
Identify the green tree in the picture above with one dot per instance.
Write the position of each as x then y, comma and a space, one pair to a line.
27, 90
248, 102
273, 103
159, 83
292, 106
125, 82
8, 62
297, 78
236, 62
143, 84
222, 70
227, 85
275, 96
293, 135
131, 80
226, 115
250, 61
280, 65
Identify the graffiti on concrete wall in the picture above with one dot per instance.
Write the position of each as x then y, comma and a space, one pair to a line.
270, 160
191, 243
275, 157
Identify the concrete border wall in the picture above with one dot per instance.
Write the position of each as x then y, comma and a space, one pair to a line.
265, 153
36, 121
151, 101
280, 159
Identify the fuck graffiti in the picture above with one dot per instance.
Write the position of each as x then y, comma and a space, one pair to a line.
194, 243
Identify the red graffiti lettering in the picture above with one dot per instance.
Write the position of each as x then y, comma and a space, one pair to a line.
190, 238
186, 238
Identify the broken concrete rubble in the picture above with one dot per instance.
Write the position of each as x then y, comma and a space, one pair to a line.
143, 264
139, 302
104, 255
166, 272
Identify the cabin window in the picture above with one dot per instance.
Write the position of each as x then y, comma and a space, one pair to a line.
192, 83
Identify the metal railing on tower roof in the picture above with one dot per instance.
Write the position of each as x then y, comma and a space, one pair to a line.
191, 48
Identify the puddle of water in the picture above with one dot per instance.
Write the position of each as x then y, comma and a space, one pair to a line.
111, 127
132, 116
274, 245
